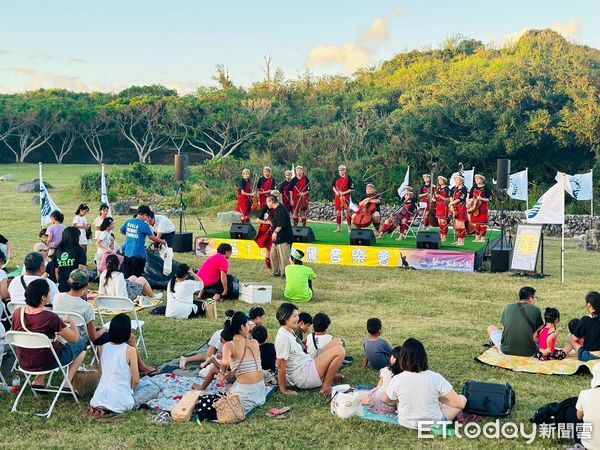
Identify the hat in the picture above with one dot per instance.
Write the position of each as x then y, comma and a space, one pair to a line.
596, 376
478, 175
267, 168
246, 171
299, 167
440, 177
408, 189
426, 175
371, 185
78, 277
275, 192
296, 255
342, 167
40, 247
459, 176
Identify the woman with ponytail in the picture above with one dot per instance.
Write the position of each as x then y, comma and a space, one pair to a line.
113, 283
180, 294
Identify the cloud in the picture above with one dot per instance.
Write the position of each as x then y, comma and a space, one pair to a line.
569, 29
43, 56
78, 61
3, 52
355, 55
34, 79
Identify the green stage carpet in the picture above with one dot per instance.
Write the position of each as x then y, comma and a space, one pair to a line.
324, 235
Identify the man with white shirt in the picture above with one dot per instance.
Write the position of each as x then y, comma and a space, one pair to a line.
163, 227
35, 268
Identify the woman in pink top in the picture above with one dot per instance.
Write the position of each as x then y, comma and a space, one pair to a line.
548, 336
217, 282
55, 231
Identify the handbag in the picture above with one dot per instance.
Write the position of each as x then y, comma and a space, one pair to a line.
489, 399
102, 265
205, 408
86, 381
183, 409
211, 309
345, 404
230, 409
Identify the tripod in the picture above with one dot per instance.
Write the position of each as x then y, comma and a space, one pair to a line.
182, 209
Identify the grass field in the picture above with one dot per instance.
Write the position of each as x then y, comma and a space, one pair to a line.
448, 312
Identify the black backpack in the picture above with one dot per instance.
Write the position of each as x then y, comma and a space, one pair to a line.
556, 412
489, 399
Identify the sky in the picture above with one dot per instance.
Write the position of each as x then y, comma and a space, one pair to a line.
107, 45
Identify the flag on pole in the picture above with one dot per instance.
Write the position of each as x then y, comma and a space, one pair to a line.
580, 185
517, 186
405, 183
353, 206
467, 174
47, 205
550, 208
104, 192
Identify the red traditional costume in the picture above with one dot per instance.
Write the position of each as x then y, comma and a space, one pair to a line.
244, 202
264, 184
481, 219
343, 184
301, 202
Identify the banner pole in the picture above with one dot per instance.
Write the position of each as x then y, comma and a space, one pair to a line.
562, 256
527, 184
592, 200
41, 200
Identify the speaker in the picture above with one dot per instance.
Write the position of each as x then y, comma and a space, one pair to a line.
242, 231
362, 237
502, 174
303, 234
500, 260
181, 168
428, 239
183, 242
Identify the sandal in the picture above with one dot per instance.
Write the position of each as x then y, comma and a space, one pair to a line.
279, 413
153, 373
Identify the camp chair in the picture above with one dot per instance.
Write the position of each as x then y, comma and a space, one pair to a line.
116, 305
27, 340
79, 322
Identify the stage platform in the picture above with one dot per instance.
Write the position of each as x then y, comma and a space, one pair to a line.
334, 248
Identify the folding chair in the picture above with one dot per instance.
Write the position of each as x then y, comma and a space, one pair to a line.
26, 340
416, 220
79, 322
10, 308
116, 305
2, 379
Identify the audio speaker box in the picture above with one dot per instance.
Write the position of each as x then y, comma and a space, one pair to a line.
502, 173
362, 237
242, 231
183, 242
500, 261
303, 234
181, 168
428, 239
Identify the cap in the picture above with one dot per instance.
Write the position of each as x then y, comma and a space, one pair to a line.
78, 277
299, 167
596, 376
459, 176
40, 247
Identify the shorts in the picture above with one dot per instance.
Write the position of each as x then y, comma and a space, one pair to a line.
313, 380
378, 406
134, 290
70, 351
251, 395
585, 355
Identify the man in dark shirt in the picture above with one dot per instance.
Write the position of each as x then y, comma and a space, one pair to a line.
282, 236
588, 330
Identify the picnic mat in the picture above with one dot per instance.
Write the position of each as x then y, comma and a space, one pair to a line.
370, 415
91, 298
191, 370
567, 366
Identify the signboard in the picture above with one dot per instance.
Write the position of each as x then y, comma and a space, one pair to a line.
526, 249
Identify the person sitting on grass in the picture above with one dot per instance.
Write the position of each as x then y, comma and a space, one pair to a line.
268, 356
377, 349
215, 346
34, 318
212, 365
214, 273
113, 283
180, 294
376, 403
120, 388
588, 329
256, 316
421, 394
305, 321
521, 321
298, 279
296, 368
319, 340
548, 336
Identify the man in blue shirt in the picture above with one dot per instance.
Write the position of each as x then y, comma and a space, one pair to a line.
136, 230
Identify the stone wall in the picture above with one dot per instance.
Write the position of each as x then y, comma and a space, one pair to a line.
576, 225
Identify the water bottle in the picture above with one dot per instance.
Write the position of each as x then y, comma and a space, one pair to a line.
16, 384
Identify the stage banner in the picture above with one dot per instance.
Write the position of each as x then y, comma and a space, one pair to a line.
349, 255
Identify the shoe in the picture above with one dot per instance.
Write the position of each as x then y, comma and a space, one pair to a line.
158, 296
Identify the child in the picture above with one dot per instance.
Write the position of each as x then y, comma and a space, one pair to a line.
120, 389
377, 350
318, 340
80, 222
267, 349
588, 329
376, 403
305, 321
212, 366
105, 242
256, 316
573, 324
548, 336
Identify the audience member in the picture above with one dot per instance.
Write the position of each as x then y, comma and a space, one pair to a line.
6, 247
257, 316
376, 396
137, 230
105, 240
69, 255
548, 336
298, 279
80, 222
55, 231
180, 294
377, 349
589, 412
35, 268
319, 340
268, 356
588, 329
113, 283
104, 210
214, 273
163, 227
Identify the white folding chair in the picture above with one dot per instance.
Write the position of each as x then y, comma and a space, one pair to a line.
115, 305
2, 380
79, 322
26, 340
10, 308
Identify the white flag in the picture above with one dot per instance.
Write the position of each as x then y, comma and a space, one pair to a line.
353, 206
580, 185
550, 208
517, 186
405, 183
47, 205
467, 174
104, 192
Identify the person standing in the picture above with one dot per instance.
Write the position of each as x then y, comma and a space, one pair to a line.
98, 220
55, 231
265, 231
442, 197
80, 222
284, 187
342, 186
481, 196
244, 196
69, 256
458, 204
300, 189
136, 230
163, 227
264, 186
282, 236
424, 196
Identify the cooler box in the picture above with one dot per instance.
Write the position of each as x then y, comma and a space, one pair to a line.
255, 293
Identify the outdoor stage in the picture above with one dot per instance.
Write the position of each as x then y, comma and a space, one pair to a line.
335, 248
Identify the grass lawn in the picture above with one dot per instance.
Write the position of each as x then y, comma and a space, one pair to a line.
448, 312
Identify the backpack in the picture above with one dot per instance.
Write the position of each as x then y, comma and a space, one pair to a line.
556, 412
489, 399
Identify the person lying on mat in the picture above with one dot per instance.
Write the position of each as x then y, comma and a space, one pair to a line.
214, 273
298, 279
296, 368
521, 322
422, 395
588, 329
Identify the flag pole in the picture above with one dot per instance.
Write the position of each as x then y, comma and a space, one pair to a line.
592, 200
527, 199
41, 200
562, 245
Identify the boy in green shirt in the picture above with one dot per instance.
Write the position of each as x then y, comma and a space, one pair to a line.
298, 279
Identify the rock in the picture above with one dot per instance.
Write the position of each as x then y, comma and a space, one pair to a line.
228, 217
590, 241
31, 186
35, 200
7, 178
123, 208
